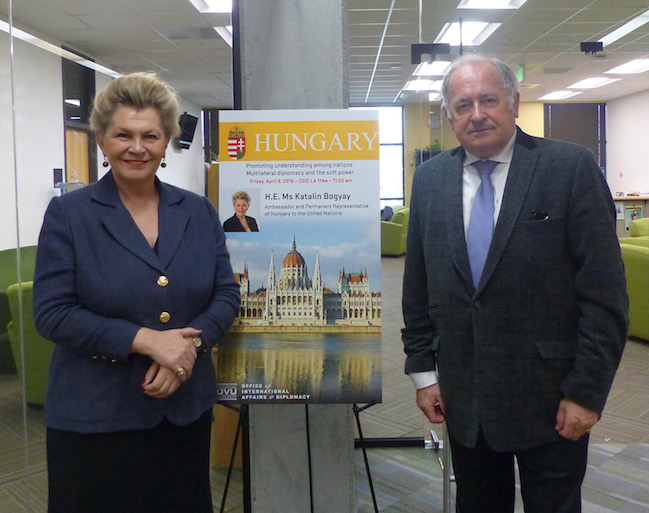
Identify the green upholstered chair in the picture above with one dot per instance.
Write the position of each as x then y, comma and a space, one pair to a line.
394, 233
9, 275
639, 228
37, 350
635, 241
636, 269
639, 232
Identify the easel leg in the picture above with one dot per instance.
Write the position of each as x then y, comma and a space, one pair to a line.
242, 426
245, 452
364, 449
231, 465
308, 449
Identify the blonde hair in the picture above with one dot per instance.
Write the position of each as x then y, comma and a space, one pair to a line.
240, 195
139, 91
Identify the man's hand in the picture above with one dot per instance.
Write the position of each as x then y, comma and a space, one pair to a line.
574, 421
429, 400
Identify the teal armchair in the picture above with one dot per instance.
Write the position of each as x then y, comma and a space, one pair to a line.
37, 350
394, 233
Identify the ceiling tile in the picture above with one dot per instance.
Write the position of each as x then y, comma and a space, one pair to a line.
178, 41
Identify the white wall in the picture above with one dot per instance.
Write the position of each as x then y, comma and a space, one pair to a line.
7, 182
627, 133
40, 136
39, 139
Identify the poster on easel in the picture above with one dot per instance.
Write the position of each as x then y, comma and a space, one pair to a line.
631, 213
299, 202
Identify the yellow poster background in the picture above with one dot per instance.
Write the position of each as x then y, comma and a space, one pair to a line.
302, 140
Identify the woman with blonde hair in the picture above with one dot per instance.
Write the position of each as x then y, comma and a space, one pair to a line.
134, 286
240, 222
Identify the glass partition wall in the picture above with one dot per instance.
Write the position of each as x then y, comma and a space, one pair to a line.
27, 144
37, 129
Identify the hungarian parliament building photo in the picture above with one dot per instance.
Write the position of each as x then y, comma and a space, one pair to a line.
294, 299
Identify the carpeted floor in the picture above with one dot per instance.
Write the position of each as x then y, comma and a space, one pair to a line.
409, 480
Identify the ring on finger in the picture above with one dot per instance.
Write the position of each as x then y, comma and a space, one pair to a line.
180, 371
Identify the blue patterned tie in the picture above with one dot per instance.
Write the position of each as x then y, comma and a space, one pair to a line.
481, 223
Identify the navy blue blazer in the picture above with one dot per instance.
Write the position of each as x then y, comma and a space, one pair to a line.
97, 282
549, 317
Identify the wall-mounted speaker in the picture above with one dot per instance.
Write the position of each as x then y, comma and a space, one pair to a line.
58, 176
187, 124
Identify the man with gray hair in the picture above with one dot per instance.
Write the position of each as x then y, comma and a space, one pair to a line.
514, 298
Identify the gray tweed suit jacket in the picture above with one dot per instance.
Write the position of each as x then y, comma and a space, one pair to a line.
549, 317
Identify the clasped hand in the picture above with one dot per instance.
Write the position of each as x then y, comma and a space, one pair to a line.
171, 351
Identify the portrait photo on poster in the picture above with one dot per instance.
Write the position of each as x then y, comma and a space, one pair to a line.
245, 208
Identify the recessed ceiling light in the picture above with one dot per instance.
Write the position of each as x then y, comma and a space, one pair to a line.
225, 33
419, 84
49, 47
219, 5
636, 66
474, 33
431, 69
560, 95
625, 29
592, 83
490, 4
212, 6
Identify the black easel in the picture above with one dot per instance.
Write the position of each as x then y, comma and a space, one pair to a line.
243, 426
361, 443
444, 460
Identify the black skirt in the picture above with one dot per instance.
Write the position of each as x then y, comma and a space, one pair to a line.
159, 470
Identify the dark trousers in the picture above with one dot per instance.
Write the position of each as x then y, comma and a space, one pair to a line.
550, 475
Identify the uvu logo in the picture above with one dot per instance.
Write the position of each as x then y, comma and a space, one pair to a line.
227, 391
